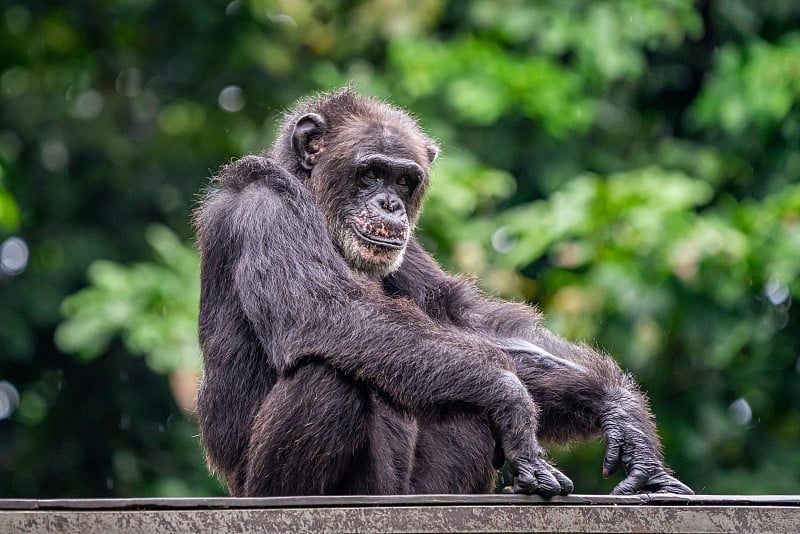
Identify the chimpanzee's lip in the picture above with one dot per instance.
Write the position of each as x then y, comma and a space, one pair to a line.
379, 241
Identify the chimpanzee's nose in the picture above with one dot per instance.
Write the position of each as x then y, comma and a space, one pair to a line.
389, 204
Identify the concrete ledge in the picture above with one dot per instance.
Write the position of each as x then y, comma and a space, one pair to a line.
428, 513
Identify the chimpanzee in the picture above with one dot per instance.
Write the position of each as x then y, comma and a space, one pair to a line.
339, 358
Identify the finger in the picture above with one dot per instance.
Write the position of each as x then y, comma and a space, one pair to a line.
548, 484
566, 484
631, 484
536, 480
522, 478
664, 483
611, 460
677, 487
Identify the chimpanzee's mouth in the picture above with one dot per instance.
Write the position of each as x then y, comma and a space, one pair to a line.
379, 241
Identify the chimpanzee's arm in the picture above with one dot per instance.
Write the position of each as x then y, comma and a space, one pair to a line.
303, 303
580, 392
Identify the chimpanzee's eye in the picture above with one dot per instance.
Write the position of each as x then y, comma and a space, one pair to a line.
369, 173
402, 180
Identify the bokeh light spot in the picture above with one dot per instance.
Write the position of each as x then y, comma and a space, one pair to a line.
502, 242
54, 155
232, 8
13, 256
129, 82
231, 99
740, 411
9, 399
88, 105
776, 291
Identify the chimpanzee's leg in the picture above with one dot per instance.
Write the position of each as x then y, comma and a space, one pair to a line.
319, 433
456, 455
306, 434
385, 466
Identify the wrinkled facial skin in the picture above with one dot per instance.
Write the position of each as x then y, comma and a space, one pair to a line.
372, 218
375, 236
368, 172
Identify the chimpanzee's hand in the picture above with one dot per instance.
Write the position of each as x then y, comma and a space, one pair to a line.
516, 422
538, 477
628, 446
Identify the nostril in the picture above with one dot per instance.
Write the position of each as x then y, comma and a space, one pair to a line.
388, 205
394, 205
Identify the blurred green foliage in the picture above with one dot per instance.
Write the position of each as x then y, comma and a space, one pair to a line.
630, 166
151, 306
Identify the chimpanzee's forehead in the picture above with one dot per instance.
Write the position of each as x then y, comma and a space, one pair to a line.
399, 141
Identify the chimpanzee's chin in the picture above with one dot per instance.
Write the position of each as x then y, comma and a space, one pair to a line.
373, 259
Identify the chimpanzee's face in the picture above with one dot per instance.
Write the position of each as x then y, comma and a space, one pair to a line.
369, 181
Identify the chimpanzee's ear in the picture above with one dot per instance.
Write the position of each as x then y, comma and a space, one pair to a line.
433, 151
307, 140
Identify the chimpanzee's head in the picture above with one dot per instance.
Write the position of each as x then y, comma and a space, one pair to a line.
367, 166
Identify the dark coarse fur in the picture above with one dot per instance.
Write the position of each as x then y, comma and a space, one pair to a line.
340, 359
